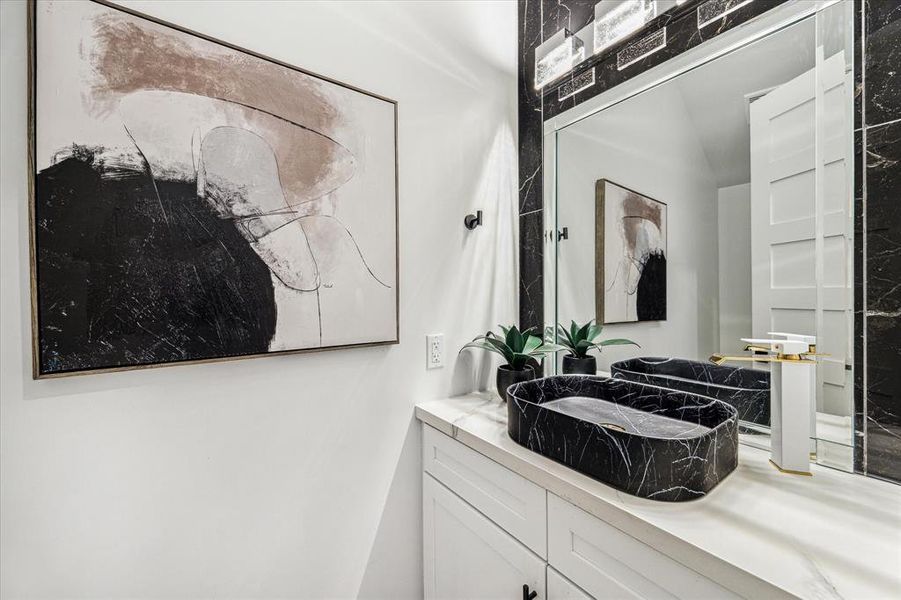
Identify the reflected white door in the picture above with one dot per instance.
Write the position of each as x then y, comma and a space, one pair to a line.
801, 228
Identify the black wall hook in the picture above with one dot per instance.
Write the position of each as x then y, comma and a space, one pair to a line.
473, 221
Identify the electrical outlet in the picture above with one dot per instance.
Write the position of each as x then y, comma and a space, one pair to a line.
434, 351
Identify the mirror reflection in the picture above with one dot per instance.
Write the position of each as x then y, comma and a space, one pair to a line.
714, 209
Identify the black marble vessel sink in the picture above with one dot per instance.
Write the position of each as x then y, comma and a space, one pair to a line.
748, 390
642, 439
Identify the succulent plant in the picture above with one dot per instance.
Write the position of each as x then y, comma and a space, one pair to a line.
579, 339
517, 347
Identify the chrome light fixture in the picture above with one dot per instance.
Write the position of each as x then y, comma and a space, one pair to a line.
557, 56
615, 20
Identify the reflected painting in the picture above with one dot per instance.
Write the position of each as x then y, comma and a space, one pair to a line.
630, 255
194, 201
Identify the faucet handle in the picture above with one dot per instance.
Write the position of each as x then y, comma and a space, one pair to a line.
778, 346
798, 337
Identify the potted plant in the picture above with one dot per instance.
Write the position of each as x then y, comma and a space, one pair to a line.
578, 340
521, 350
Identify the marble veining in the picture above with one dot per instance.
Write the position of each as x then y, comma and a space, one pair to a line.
883, 300
531, 272
627, 438
748, 390
881, 171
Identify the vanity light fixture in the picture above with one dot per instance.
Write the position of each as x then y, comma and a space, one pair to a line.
636, 51
614, 20
557, 56
713, 10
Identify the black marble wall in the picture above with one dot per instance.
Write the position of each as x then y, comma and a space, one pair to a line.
877, 264
880, 136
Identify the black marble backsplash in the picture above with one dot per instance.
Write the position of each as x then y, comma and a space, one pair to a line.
877, 35
881, 136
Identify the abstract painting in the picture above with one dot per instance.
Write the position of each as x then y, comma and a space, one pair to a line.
630, 255
194, 201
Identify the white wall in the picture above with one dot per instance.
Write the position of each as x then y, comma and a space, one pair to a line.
293, 476
734, 222
649, 145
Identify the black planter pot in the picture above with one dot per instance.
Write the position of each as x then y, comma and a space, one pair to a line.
579, 366
507, 377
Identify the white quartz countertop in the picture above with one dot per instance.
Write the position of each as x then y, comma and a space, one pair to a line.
761, 533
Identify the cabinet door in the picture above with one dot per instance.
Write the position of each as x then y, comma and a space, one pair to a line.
468, 556
561, 588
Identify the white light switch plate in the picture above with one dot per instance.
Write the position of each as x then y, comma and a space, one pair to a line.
434, 351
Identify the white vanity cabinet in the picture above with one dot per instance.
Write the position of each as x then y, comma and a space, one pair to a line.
489, 531
561, 588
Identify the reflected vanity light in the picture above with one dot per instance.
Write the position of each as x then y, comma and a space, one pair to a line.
614, 21
636, 51
713, 10
557, 56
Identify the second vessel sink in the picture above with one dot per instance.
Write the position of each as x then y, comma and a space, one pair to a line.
748, 390
644, 440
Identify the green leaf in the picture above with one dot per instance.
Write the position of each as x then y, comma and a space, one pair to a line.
531, 344
564, 336
593, 332
515, 340
491, 344
481, 346
549, 348
502, 347
617, 342
583, 331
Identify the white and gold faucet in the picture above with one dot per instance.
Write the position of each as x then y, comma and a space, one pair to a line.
792, 395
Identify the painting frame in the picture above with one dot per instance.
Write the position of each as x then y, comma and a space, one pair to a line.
600, 250
31, 160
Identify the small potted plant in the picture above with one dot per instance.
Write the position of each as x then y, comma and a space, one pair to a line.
578, 340
520, 349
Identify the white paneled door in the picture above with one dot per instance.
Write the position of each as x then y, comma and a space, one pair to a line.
801, 230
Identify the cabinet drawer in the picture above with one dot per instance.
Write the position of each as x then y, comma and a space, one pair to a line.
608, 563
513, 502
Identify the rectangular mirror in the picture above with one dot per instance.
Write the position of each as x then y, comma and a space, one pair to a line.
715, 206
